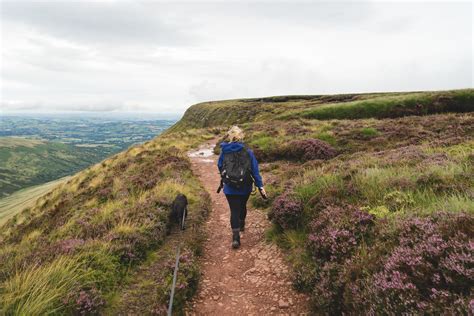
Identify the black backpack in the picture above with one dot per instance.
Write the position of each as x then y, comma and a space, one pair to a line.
235, 170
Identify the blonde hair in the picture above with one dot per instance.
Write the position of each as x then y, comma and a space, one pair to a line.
235, 134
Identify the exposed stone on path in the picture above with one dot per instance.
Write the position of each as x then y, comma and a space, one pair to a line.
283, 304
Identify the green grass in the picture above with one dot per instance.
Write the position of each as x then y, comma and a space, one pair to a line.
324, 107
264, 142
404, 187
39, 290
422, 103
327, 137
369, 131
13, 204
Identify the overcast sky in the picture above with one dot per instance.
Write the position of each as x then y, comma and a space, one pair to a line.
162, 57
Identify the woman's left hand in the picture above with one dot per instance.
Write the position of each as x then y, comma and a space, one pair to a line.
263, 192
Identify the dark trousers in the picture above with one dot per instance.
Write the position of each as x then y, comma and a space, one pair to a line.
238, 208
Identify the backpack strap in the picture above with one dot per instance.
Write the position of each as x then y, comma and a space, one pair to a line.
221, 185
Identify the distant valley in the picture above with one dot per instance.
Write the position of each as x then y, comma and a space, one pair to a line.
36, 150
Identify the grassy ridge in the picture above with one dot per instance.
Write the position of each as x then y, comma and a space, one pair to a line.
344, 106
422, 103
26, 162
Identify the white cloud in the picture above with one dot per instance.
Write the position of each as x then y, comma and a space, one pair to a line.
162, 57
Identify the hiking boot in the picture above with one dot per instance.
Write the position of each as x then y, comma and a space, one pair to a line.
242, 225
235, 238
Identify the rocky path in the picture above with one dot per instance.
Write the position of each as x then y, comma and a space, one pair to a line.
253, 280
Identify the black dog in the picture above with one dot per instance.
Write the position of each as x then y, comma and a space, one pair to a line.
179, 210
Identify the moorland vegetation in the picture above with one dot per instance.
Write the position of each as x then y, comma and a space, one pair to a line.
371, 198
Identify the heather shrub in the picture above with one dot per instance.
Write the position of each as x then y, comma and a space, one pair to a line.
305, 274
128, 244
308, 149
287, 211
429, 270
68, 246
336, 231
328, 289
85, 302
335, 234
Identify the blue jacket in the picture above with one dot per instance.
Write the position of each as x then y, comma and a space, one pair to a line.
236, 146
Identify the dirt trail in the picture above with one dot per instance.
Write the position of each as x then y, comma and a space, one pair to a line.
251, 280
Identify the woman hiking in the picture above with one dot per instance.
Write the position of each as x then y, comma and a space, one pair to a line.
239, 170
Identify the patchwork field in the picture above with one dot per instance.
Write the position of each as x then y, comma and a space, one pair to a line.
35, 150
28, 162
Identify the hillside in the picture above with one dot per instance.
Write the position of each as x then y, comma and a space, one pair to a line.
370, 198
27, 162
24, 198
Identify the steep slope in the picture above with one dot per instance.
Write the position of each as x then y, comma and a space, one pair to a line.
75, 249
22, 199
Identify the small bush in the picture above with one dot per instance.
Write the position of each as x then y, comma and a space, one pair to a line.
430, 270
337, 231
128, 243
369, 132
308, 149
398, 201
85, 302
286, 211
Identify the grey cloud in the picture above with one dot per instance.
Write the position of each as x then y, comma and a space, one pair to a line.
99, 22
121, 56
96, 106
